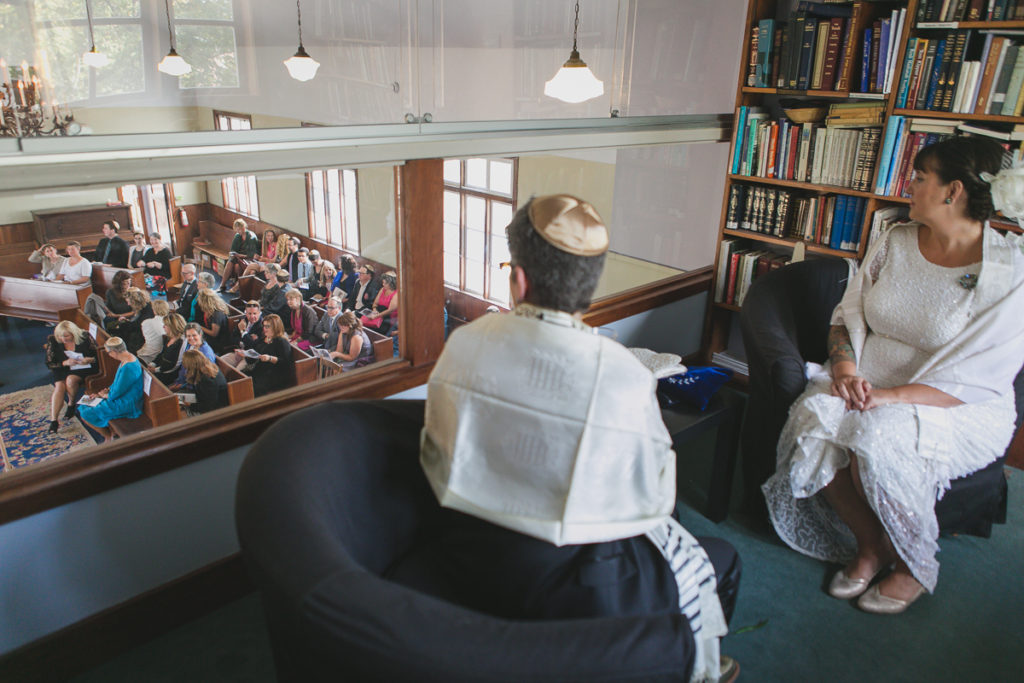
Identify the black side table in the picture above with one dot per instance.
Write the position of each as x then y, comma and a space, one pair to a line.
685, 424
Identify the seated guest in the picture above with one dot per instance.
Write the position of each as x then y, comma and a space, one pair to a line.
303, 273
250, 327
207, 382
301, 321
188, 290
272, 299
244, 247
153, 331
131, 329
275, 250
113, 308
212, 318
111, 249
918, 390
158, 264
326, 331
71, 357
364, 291
137, 250
271, 371
123, 398
168, 361
354, 348
193, 340
344, 283
203, 281
50, 260
76, 269
326, 278
316, 289
291, 259
545, 447
385, 306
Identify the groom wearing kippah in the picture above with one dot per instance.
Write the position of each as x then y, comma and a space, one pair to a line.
545, 447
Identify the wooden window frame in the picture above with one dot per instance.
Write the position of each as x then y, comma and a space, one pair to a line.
311, 213
250, 184
465, 191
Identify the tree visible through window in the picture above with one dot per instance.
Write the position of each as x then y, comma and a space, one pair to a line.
205, 33
333, 207
239, 192
479, 199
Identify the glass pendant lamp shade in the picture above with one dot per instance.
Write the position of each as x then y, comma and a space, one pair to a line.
174, 65
301, 66
574, 82
94, 58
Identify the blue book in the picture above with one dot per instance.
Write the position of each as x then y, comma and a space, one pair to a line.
933, 82
883, 54
865, 65
852, 209
853, 237
741, 120
803, 79
892, 128
908, 65
765, 42
838, 221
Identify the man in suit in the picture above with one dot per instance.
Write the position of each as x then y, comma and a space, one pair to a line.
250, 327
365, 290
112, 250
291, 263
326, 331
189, 289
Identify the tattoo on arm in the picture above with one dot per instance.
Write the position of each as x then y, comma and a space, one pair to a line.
840, 348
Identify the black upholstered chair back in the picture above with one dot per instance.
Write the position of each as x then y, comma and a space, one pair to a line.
327, 499
785, 322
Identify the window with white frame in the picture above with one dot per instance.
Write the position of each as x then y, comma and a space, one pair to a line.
240, 191
205, 34
334, 207
479, 200
151, 208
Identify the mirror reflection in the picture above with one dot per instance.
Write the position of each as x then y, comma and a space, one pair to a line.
127, 308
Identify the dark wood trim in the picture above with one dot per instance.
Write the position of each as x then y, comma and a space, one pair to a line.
86, 644
646, 297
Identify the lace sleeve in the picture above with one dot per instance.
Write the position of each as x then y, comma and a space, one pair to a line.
880, 257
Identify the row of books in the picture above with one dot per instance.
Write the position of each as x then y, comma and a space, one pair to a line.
738, 266
964, 71
970, 10
811, 49
904, 137
833, 221
841, 153
879, 50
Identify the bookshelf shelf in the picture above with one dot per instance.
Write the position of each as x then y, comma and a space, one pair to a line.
814, 187
929, 114
993, 25
834, 94
787, 242
728, 307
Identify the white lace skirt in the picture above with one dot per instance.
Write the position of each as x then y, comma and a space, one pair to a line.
907, 456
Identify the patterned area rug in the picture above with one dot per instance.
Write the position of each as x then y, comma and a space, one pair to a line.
25, 435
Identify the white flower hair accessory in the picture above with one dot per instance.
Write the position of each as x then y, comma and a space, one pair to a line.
1008, 190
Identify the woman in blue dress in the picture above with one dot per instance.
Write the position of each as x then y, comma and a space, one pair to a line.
123, 398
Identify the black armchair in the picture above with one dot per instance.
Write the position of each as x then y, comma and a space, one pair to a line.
322, 515
785, 322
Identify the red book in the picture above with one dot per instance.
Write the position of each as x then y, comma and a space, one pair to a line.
794, 151
849, 49
734, 264
773, 142
835, 38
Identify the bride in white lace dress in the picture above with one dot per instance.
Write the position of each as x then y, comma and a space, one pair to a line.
918, 389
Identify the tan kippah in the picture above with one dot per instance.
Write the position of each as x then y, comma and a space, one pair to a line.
569, 224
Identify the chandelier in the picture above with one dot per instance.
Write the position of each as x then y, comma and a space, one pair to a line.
23, 113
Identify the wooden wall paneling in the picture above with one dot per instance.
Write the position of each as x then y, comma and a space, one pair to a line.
463, 307
16, 234
419, 192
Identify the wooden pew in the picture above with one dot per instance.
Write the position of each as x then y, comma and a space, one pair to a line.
383, 346
38, 299
175, 279
303, 366
14, 260
250, 288
103, 278
159, 407
214, 242
239, 383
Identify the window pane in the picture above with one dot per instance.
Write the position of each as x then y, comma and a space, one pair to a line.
254, 205
451, 269
499, 250
475, 207
474, 245
451, 237
501, 216
351, 210
476, 173
452, 208
453, 171
499, 285
501, 177
202, 9
211, 52
64, 46
60, 10
474, 276
125, 72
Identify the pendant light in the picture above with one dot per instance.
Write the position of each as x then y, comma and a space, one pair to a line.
574, 82
301, 66
93, 58
173, 64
